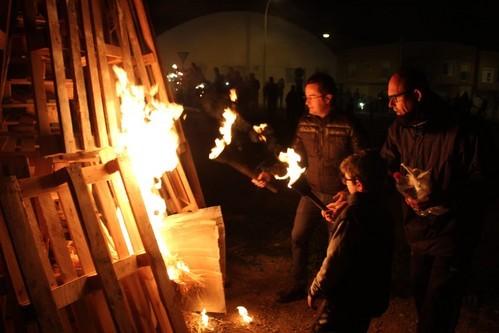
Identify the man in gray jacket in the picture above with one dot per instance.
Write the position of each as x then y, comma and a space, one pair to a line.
323, 138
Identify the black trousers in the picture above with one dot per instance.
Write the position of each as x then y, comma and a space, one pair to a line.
438, 287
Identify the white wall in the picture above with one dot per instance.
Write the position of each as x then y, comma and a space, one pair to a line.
236, 39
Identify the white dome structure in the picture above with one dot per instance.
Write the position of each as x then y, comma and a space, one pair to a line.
236, 39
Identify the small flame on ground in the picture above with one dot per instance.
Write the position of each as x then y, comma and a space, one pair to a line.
226, 131
244, 315
259, 129
294, 171
204, 319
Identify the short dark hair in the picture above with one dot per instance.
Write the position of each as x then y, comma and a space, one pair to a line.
413, 78
366, 166
326, 83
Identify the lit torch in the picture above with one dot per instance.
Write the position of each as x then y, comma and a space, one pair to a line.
296, 181
230, 117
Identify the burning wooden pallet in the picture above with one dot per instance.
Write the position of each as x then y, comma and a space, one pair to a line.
57, 89
112, 277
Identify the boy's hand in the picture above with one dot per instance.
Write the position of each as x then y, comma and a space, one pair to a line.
334, 208
312, 302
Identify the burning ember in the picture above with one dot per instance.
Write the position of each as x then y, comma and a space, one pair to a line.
143, 126
226, 130
294, 171
246, 319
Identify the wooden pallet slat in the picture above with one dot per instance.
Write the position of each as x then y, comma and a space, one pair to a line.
107, 82
77, 71
92, 69
60, 76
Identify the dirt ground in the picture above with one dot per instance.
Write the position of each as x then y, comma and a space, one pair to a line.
258, 225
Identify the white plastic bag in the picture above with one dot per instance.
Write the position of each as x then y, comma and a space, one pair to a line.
416, 184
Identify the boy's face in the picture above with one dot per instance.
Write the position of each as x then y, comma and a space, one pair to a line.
353, 185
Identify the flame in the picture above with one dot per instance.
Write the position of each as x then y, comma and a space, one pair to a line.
204, 320
226, 131
246, 319
149, 138
260, 129
233, 95
294, 171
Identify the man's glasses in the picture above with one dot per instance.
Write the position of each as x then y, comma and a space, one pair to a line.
344, 180
394, 98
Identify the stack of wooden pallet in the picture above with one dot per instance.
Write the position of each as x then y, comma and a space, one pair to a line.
66, 252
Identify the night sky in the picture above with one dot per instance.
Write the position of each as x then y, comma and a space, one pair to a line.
358, 22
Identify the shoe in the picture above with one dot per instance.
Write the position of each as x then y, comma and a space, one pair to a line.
291, 295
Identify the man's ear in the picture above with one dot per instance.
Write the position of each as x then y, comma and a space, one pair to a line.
329, 98
418, 94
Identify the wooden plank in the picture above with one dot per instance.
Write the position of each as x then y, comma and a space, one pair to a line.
60, 76
72, 291
37, 68
125, 45
107, 207
39, 94
149, 40
126, 211
76, 230
151, 288
135, 44
9, 255
6, 46
139, 304
85, 318
96, 173
97, 302
34, 186
93, 74
107, 82
158, 267
119, 193
81, 94
98, 248
58, 241
30, 257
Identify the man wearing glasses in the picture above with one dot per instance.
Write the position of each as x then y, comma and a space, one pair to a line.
427, 137
323, 138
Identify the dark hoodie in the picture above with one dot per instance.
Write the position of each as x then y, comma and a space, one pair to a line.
355, 275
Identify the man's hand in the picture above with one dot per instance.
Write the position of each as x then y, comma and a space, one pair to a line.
262, 179
416, 204
312, 302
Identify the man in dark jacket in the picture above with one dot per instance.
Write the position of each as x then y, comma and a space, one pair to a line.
354, 278
425, 137
323, 139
